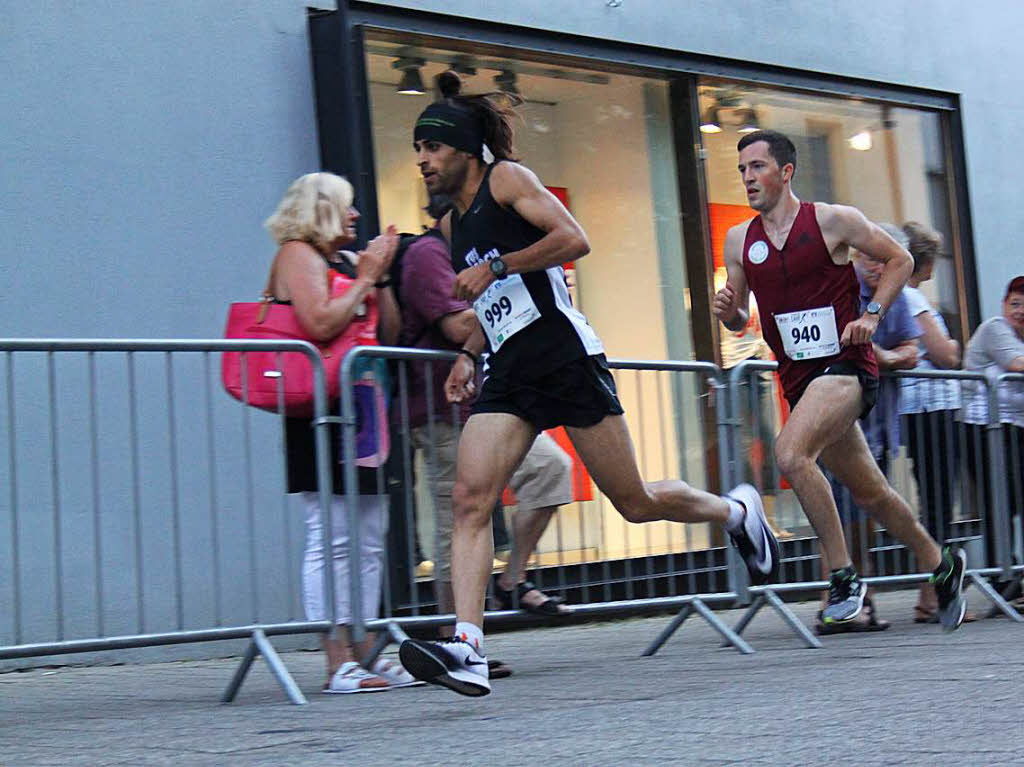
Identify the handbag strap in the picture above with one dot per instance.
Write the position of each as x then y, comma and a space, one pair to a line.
267, 298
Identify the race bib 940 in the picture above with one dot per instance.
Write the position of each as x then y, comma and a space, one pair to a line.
809, 334
504, 309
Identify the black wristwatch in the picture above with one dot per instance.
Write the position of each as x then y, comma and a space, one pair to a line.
498, 268
874, 308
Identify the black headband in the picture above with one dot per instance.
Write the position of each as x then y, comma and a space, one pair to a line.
455, 126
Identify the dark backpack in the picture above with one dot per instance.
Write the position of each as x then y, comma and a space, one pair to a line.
404, 241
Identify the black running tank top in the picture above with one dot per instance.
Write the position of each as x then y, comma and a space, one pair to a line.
560, 334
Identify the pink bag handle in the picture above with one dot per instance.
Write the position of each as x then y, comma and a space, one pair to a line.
268, 298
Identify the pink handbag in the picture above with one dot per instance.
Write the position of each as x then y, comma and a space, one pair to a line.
283, 381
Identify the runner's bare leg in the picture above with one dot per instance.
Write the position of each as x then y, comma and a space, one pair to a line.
849, 458
607, 451
829, 407
490, 449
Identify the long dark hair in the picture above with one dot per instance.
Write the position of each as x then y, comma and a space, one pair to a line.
495, 111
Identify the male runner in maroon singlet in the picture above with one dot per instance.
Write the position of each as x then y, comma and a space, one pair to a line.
795, 257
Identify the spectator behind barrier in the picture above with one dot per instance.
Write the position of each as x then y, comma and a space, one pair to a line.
895, 346
329, 289
928, 407
997, 347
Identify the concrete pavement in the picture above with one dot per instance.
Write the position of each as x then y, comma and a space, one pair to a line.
580, 695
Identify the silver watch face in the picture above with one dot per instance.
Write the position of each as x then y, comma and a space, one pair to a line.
874, 308
498, 268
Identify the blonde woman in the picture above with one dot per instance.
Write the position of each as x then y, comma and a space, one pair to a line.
330, 289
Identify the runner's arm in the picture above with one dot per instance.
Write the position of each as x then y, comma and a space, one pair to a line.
517, 187
460, 385
731, 304
850, 226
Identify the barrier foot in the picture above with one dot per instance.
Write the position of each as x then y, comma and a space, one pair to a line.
996, 599
748, 616
260, 645
794, 623
727, 633
669, 630
705, 612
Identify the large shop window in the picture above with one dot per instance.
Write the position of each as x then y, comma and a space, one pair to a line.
602, 142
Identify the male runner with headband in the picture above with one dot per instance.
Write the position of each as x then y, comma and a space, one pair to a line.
795, 257
545, 367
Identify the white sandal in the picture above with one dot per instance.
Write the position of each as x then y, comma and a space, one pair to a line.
394, 673
352, 677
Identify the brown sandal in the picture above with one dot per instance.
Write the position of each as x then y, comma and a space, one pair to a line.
550, 607
925, 614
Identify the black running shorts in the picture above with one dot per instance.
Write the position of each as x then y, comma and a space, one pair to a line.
580, 393
868, 384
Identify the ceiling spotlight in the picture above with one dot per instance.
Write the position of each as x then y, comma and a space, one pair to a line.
860, 141
709, 121
411, 83
506, 82
748, 120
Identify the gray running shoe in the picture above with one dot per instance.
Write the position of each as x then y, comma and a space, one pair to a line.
948, 580
846, 592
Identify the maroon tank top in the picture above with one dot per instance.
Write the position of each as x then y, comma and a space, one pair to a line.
802, 275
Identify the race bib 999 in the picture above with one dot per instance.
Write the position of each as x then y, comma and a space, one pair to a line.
504, 309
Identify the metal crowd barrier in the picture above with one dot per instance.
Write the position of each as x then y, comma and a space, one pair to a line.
979, 455
135, 502
625, 568
631, 568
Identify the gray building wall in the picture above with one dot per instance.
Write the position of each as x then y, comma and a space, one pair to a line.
144, 144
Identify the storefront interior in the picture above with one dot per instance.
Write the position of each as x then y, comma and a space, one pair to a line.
605, 140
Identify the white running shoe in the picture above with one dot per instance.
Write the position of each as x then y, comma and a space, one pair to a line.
754, 538
352, 677
451, 663
395, 675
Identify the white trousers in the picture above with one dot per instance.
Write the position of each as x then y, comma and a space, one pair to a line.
373, 527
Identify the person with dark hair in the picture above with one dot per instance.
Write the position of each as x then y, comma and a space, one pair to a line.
928, 406
795, 258
997, 347
434, 319
544, 366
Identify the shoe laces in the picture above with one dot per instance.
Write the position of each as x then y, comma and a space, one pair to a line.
839, 589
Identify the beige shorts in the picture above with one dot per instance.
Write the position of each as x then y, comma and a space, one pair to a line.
543, 479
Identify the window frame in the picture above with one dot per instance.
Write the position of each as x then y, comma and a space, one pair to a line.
337, 41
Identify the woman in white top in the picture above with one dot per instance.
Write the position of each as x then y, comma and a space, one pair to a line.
928, 407
997, 347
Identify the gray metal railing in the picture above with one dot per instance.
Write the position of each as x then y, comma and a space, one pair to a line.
109, 468
801, 570
122, 424
682, 578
